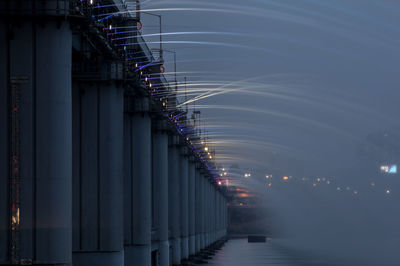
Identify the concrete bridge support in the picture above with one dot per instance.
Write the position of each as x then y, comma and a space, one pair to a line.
219, 215
206, 214
198, 214
35, 139
97, 168
184, 185
77, 162
215, 212
160, 187
174, 198
225, 216
4, 143
203, 219
212, 210
137, 184
209, 212
192, 206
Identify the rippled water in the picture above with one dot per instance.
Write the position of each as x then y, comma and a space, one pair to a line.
238, 252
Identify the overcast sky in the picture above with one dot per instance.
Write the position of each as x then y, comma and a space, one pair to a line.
308, 79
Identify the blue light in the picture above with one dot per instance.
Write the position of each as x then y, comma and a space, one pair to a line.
393, 169
107, 17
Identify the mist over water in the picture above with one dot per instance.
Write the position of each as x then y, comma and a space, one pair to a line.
307, 89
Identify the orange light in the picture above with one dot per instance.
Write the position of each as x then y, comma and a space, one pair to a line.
285, 178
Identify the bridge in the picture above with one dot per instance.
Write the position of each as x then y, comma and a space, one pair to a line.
98, 165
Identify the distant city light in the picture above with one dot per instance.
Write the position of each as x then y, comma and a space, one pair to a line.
206, 148
247, 175
338, 189
269, 184
268, 176
389, 169
355, 192
372, 184
328, 182
219, 183
285, 178
388, 191
314, 185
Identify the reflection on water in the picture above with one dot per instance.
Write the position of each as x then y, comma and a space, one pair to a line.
238, 252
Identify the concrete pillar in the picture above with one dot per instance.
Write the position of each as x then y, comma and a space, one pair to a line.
209, 212
174, 198
4, 136
203, 210
225, 216
184, 184
218, 230
160, 187
198, 218
36, 62
137, 184
220, 210
215, 213
97, 167
192, 206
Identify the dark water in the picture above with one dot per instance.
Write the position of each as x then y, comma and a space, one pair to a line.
238, 252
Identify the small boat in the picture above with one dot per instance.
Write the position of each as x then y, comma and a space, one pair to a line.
256, 239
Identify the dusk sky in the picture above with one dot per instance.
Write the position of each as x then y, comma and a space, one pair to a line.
305, 81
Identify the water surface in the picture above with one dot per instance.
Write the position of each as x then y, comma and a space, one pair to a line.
238, 252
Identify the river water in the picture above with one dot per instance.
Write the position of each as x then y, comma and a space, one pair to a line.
238, 252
